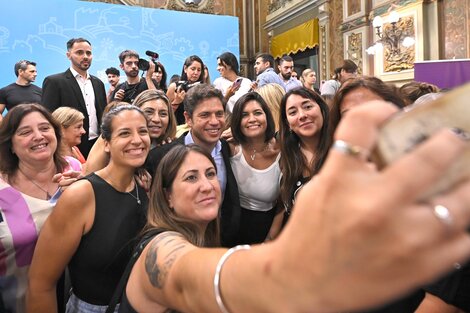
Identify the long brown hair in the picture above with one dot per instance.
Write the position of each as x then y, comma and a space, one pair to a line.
160, 215
9, 126
153, 94
293, 162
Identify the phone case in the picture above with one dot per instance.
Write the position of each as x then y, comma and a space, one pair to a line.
408, 128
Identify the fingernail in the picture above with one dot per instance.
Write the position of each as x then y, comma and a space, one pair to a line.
462, 134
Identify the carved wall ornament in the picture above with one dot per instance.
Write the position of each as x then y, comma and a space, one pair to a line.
398, 57
275, 5
354, 50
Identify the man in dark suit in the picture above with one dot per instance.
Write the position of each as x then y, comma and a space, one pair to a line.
78, 89
204, 110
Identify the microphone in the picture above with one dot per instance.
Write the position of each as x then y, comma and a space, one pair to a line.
152, 54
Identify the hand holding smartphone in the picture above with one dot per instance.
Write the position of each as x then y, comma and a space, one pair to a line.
237, 83
409, 128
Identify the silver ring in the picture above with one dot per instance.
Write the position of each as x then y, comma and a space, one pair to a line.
349, 149
443, 214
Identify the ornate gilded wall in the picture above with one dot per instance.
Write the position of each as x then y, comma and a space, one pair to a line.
335, 36
456, 16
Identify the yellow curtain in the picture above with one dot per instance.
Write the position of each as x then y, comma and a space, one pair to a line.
296, 39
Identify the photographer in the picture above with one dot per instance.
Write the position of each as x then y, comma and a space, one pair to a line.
134, 84
192, 73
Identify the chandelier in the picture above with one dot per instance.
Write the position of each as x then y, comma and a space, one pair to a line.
392, 36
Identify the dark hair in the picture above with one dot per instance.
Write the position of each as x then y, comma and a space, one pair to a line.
237, 116
22, 65
266, 57
127, 54
72, 41
229, 59
293, 162
154, 94
286, 58
374, 84
8, 128
106, 124
174, 78
161, 215
113, 71
336, 73
199, 93
162, 84
189, 60
413, 90
349, 66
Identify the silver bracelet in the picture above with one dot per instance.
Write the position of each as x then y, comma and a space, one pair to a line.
220, 264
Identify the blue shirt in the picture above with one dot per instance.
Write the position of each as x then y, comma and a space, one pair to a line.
269, 76
216, 153
292, 83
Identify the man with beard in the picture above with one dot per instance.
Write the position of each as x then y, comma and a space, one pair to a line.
286, 67
78, 89
264, 68
21, 91
134, 85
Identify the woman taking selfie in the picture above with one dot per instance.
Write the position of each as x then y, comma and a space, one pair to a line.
316, 257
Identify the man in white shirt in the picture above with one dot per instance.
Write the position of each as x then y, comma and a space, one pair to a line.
78, 89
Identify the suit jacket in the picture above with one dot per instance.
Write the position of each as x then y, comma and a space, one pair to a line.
229, 213
63, 90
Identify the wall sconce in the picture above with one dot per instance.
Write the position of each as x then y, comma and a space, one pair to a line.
392, 36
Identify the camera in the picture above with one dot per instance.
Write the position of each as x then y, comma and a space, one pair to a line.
144, 65
185, 85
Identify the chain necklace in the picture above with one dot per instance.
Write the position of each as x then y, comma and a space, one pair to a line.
253, 155
137, 198
48, 195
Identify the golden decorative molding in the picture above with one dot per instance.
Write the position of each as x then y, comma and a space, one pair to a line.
354, 50
405, 57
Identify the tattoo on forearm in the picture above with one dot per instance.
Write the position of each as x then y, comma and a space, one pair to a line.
158, 274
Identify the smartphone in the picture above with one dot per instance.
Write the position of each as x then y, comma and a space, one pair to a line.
410, 127
238, 82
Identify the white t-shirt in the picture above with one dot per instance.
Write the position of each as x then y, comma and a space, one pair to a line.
223, 84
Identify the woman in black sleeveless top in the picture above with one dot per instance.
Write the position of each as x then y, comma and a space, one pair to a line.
95, 223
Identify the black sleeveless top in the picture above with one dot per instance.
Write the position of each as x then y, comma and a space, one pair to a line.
103, 253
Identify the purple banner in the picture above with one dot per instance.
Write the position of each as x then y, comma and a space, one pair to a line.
443, 73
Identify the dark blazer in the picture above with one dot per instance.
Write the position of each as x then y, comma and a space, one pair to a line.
229, 214
63, 90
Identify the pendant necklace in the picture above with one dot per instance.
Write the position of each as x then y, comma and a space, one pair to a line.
253, 155
137, 198
48, 196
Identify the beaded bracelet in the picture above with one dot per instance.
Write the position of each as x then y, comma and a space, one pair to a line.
220, 264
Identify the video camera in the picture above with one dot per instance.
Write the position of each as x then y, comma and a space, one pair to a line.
144, 65
185, 85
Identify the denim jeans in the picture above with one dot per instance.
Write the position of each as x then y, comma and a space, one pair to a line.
75, 305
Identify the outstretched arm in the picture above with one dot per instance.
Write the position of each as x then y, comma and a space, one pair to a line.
353, 228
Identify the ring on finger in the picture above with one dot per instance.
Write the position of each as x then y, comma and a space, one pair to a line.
443, 215
346, 148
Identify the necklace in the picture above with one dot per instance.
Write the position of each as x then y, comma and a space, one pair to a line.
137, 193
253, 155
48, 195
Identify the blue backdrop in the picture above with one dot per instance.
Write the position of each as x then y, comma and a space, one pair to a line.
38, 30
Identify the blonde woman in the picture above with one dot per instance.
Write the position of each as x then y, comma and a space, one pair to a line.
308, 79
71, 122
272, 94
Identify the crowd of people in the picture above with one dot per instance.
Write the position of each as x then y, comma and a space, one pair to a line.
235, 195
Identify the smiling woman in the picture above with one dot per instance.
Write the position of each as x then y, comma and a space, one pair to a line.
79, 233
29, 138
